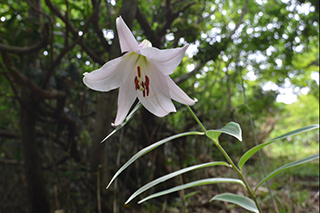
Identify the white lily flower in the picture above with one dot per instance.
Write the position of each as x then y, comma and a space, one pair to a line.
143, 73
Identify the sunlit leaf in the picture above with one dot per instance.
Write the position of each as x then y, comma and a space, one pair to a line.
245, 157
287, 166
242, 201
193, 184
231, 128
148, 149
171, 175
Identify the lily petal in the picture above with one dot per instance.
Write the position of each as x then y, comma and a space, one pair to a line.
127, 41
158, 102
112, 74
178, 94
169, 58
127, 96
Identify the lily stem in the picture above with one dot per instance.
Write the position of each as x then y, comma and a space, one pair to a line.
228, 159
238, 171
197, 119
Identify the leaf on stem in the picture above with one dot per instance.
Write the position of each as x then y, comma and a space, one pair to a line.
193, 184
173, 174
287, 166
231, 128
245, 157
242, 201
148, 149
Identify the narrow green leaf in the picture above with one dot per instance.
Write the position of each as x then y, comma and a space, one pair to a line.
148, 149
171, 175
231, 128
135, 109
191, 194
193, 184
287, 166
242, 201
245, 157
297, 131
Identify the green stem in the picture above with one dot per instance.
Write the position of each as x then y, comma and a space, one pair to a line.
238, 171
197, 119
228, 159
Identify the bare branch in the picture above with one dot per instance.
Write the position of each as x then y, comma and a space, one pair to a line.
189, 74
8, 134
150, 34
22, 50
171, 17
74, 32
25, 81
243, 13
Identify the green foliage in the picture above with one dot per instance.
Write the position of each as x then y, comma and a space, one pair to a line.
148, 149
245, 157
242, 201
171, 175
193, 184
287, 166
231, 128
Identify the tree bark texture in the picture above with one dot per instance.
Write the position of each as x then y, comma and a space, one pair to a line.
32, 161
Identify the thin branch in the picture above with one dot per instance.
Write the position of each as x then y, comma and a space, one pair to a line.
8, 134
243, 13
22, 50
96, 25
148, 32
74, 32
170, 17
22, 80
189, 74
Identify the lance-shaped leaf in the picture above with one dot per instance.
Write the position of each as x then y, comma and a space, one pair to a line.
173, 174
135, 109
231, 128
242, 201
287, 166
245, 157
193, 184
148, 149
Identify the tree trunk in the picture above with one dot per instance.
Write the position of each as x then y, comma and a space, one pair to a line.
32, 161
105, 115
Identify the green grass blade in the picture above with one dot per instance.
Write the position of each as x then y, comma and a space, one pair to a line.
230, 128
193, 184
245, 157
287, 166
242, 201
148, 149
135, 109
173, 174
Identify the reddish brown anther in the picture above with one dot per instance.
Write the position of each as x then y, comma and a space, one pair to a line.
139, 71
143, 91
136, 82
147, 85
